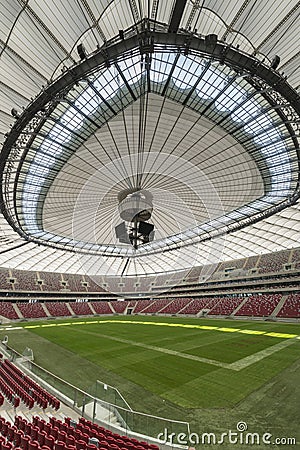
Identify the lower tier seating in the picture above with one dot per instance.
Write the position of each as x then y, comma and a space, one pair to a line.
57, 434
17, 386
291, 307
256, 305
260, 305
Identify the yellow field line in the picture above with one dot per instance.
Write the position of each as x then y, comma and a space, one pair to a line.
164, 324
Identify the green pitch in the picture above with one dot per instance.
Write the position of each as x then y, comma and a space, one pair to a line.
212, 373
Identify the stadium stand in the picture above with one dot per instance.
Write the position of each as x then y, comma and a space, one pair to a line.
195, 306
102, 307
141, 305
23, 387
7, 310
132, 303
251, 262
273, 262
255, 305
291, 307
260, 305
156, 306
175, 306
74, 283
226, 306
58, 309
81, 308
193, 274
31, 310
5, 285
296, 258
94, 284
236, 264
129, 284
51, 281
143, 284
66, 434
25, 281
119, 307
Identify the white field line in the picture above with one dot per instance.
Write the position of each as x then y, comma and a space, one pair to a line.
236, 366
163, 350
255, 357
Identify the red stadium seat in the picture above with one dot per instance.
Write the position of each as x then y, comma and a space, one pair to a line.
24, 442
34, 432
49, 441
33, 445
17, 437
6, 446
70, 440
59, 445
11, 433
80, 445
41, 437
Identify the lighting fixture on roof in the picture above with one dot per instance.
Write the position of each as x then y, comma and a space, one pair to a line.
135, 208
15, 113
275, 62
211, 39
81, 52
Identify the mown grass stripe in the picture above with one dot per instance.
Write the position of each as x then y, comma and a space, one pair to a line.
166, 324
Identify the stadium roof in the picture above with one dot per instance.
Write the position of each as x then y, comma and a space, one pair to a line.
184, 100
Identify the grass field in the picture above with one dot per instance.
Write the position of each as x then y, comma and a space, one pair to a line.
211, 373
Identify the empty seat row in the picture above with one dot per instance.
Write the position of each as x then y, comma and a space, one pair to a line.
28, 388
22, 389
63, 435
13, 392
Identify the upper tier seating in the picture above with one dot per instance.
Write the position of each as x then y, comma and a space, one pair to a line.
29, 281
51, 281
273, 262
25, 281
296, 257
94, 284
5, 285
74, 283
236, 264
251, 263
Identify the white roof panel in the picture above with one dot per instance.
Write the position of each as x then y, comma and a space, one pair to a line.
38, 38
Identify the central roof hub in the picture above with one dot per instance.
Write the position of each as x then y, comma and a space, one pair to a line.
135, 205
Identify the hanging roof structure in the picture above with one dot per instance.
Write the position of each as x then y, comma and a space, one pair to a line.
185, 100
